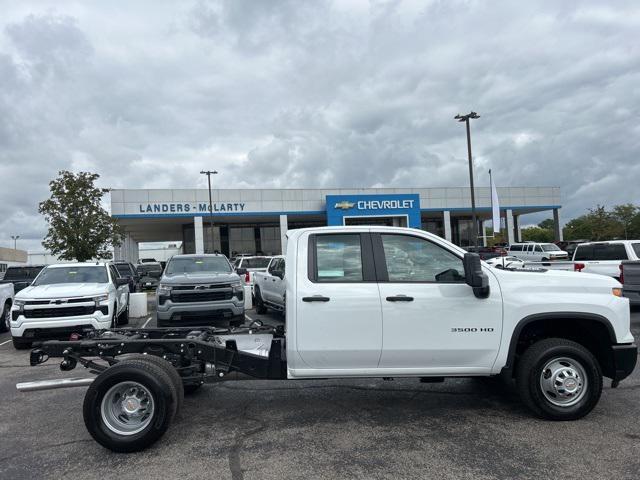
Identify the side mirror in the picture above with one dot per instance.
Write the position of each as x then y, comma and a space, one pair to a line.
474, 276
241, 271
122, 281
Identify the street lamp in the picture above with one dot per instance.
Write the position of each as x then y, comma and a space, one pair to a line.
208, 173
15, 240
465, 119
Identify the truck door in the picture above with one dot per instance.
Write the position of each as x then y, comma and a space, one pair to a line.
338, 310
432, 321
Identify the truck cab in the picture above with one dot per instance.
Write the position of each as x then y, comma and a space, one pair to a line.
270, 289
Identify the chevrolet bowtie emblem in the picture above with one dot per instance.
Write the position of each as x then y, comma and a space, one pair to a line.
344, 205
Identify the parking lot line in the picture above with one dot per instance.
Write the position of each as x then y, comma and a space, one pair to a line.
4, 343
145, 323
248, 317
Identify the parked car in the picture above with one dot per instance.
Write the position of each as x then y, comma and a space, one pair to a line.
200, 290
149, 274
537, 252
128, 270
6, 300
67, 298
373, 302
251, 265
605, 258
22, 276
630, 279
270, 286
506, 262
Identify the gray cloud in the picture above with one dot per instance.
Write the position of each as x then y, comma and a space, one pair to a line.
307, 94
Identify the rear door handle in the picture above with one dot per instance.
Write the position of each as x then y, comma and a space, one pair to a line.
400, 298
316, 298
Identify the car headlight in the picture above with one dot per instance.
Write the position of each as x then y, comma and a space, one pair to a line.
164, 289
19, 304
238, 290
101, 298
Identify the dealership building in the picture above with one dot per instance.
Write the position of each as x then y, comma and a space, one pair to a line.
256, 220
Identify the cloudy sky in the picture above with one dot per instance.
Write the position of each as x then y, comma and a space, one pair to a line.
317, 93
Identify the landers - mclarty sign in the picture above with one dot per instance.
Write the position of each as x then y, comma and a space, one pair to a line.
190, 208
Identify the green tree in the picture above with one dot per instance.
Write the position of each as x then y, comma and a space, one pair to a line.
547, 224
625, 215
603, 225
79, 228
536, 234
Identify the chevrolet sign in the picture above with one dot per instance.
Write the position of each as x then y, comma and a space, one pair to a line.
344, 205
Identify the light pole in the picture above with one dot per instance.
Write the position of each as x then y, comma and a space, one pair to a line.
15, 241
208, 173
465, 119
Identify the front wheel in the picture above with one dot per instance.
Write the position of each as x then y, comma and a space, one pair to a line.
260, 306
559, 379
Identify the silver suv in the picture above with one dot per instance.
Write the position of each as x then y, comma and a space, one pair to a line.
200, 290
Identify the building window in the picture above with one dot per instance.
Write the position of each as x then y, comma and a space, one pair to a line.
270, 243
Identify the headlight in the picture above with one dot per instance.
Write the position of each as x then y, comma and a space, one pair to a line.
18, 303
238, 290
101, 298
164, 289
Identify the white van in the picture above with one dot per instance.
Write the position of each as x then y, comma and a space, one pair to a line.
537, 252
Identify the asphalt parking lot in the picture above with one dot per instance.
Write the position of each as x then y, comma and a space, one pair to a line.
323, 429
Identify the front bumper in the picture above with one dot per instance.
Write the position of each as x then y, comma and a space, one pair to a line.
51, 328
199, 311
625, 357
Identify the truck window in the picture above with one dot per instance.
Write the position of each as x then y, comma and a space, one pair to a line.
413, 259
610, 251
515, 248
338, 258
636, 249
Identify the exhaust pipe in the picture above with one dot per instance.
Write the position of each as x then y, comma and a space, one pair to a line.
53, 384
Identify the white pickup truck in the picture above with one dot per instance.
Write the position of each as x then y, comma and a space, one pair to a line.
369, 302
270, 289
67, 298
6, 300
605, 258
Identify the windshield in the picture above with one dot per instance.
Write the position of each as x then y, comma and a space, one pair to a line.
21, 273
549, 247
123, 269
151, 269
51, 276
198, 265
255, 262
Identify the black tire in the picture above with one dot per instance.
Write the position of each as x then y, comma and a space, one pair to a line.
153, 378
19, 344
189, 389
530, 373
6, 318
261, 309
170, 370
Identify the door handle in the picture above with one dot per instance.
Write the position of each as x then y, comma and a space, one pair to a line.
315, 298
400, 298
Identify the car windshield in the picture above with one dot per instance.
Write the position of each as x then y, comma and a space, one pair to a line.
255, 262
198, 265
72, 274
550, 247
21, 273
123, 269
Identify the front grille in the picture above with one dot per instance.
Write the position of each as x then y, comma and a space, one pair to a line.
62, 301
215, 286
59, 312
196, 296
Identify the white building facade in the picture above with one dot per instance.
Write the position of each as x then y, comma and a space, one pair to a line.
256, 220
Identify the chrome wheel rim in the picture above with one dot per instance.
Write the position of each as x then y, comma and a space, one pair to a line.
127, 408
7, 318
563, 381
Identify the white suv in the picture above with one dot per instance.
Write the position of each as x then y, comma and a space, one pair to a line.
537, 252
66, 298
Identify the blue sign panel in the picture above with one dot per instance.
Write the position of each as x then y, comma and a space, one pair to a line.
394, 205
